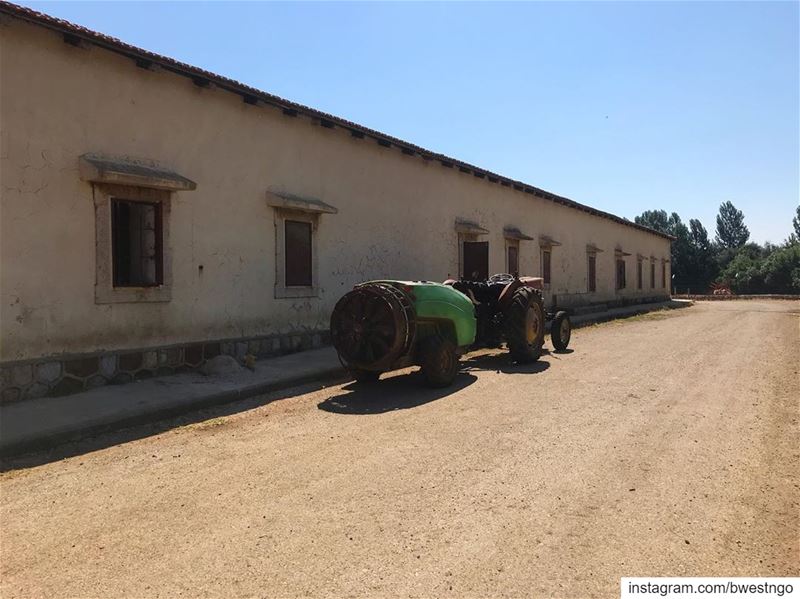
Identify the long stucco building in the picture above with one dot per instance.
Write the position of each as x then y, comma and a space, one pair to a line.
154, 214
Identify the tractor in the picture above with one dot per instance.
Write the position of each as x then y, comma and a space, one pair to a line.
387, 325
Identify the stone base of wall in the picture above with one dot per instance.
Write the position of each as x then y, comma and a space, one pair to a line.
579, 304
737, 297
62, 375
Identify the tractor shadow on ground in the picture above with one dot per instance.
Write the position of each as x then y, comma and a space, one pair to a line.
559, 351
400, 392
502, 362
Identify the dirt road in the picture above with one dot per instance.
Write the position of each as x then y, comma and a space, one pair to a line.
662, 446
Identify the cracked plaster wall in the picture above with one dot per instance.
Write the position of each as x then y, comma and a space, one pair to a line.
396, 212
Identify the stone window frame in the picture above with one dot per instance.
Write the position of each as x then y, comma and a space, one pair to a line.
288, 206
133, 179
547, 244
469, 231
652, 272
591, 274
282, 291
512, 243
620, 273
591, 252
513, 236
639, 272
104, 290
547, 273
620, 283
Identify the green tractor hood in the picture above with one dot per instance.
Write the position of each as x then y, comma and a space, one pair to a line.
436, 302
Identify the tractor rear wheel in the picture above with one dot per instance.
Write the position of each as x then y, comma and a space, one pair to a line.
523, 325
561, 330
439, 361
372, 326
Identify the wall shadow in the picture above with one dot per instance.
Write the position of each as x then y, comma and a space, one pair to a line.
400, 392
140, 430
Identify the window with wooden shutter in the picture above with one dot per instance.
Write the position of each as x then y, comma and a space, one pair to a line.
476, 260
298, 253
620, 274
546, 266
513, 259
136, 244
639, 274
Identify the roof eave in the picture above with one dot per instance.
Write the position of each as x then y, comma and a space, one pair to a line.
250, 93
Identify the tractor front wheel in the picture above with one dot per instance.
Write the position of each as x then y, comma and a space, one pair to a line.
439, 361
523, 325
561, 330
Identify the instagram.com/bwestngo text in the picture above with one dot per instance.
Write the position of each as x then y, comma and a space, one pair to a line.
716, 588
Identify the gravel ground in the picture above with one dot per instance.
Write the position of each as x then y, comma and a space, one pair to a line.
663, 445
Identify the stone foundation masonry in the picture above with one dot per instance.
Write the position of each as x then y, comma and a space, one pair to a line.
62, 375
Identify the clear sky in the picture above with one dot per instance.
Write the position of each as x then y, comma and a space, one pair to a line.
625, 106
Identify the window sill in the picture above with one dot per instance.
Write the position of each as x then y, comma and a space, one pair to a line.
132, 295
295, 292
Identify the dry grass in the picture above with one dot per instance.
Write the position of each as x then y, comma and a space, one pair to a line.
662, 314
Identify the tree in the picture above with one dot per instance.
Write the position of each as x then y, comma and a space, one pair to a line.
699, 236
743, 272
654, 219
795, 237
731, 230
796, 223
701, 256
781, 270
681, 250
769, 269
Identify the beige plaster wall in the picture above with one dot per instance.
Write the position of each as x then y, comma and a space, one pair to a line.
396, 213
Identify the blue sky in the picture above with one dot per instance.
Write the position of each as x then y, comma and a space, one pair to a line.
625, 106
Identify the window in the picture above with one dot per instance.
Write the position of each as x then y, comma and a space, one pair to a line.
592, 273
639, 274
513, 237
620, 274
297, 221
652, 275
132, 222
298, 254
546, 245
473, 255
513, 259
132, 257
546, 268
476, 260
137, 244
663, 274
